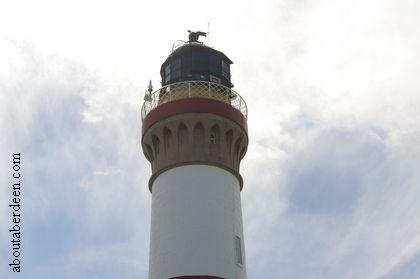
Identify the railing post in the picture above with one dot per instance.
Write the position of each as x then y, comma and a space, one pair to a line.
189, 89
170, 94
208, 83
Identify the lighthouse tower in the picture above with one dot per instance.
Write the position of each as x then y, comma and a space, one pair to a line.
194, 135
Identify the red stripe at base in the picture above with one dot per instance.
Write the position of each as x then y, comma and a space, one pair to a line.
197, 277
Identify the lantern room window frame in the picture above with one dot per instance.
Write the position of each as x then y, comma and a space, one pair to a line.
200, 63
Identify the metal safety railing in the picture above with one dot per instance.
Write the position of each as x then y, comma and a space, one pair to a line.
193, 89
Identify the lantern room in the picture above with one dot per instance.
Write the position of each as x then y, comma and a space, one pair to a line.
194, 61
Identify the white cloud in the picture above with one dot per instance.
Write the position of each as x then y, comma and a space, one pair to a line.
67, 206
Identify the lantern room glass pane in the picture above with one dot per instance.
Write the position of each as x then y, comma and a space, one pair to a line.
186, 66
225, 69
200, 62
214, 65
168, 73
176, 69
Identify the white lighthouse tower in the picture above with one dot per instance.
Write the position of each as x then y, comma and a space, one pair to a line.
194, 135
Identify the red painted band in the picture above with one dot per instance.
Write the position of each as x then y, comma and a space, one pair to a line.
194, 105
197, 277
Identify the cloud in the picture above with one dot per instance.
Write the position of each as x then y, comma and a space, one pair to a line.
73, 216
327, 176
337, 109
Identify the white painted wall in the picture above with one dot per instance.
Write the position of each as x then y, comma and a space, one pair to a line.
196, 213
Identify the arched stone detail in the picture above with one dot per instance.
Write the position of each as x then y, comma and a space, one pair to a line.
243, 151
214, 135
229, 143
156, 149
214, 142
182, 134
156, 145
236, 150
167, 139
185, 139
198, 136
149, 153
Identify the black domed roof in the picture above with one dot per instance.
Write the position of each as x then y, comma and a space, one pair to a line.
192, 46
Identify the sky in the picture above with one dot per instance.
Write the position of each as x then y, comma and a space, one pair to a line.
331, 177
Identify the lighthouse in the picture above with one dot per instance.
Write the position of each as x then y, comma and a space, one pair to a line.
194, 134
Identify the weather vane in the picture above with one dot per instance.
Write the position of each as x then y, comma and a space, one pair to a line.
194, 36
